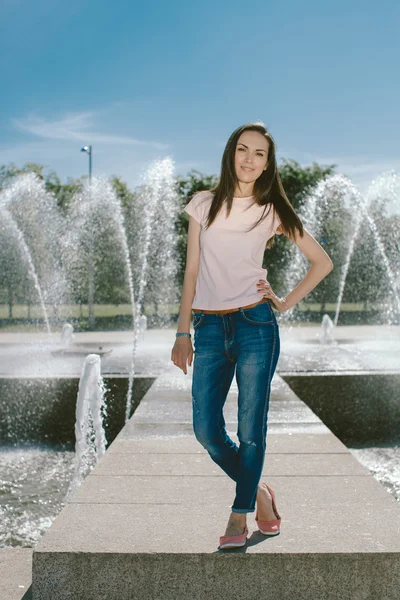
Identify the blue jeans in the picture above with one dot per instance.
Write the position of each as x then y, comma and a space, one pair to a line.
247, 339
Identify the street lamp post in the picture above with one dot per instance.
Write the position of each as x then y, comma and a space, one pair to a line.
88, 150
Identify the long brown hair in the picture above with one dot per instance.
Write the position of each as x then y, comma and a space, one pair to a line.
267, 191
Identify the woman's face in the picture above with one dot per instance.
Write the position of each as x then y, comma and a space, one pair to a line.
250, 156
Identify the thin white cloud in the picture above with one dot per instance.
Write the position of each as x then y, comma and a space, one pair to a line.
77, 127
38, 151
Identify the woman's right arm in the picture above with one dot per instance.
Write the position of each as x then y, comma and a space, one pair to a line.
182, 351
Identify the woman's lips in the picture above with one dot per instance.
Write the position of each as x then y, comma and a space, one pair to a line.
247, 169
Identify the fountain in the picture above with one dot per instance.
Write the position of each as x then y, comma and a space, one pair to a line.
90, 438
156, 246
31, 216
335, 196
326, 332
68, 346
12, 228
142, 325
67, 334
98, 228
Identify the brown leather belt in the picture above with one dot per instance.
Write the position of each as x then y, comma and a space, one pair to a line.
229, 310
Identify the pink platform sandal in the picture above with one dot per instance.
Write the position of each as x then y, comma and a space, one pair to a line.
233, 541
270, 527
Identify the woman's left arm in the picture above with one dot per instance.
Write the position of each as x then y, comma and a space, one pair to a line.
321, 265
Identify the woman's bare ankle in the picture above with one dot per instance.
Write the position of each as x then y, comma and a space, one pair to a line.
239, 518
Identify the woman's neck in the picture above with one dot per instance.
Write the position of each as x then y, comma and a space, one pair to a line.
246, 192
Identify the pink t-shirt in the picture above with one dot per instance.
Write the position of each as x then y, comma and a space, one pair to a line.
230, 257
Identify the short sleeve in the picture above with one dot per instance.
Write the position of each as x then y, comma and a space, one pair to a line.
196, 208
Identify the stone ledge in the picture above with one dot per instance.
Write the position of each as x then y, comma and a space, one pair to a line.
159, 576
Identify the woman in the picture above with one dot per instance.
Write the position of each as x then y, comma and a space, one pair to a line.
234, 324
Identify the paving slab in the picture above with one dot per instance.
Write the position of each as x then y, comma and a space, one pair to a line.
296, 443
319, 515
195, 464
157, 430
177, 411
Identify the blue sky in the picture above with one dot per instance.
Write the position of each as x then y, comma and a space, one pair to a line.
141, 81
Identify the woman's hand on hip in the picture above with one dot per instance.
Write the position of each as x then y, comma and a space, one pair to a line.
182, 352
265, 290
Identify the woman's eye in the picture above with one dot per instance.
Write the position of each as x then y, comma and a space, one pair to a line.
258, 153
